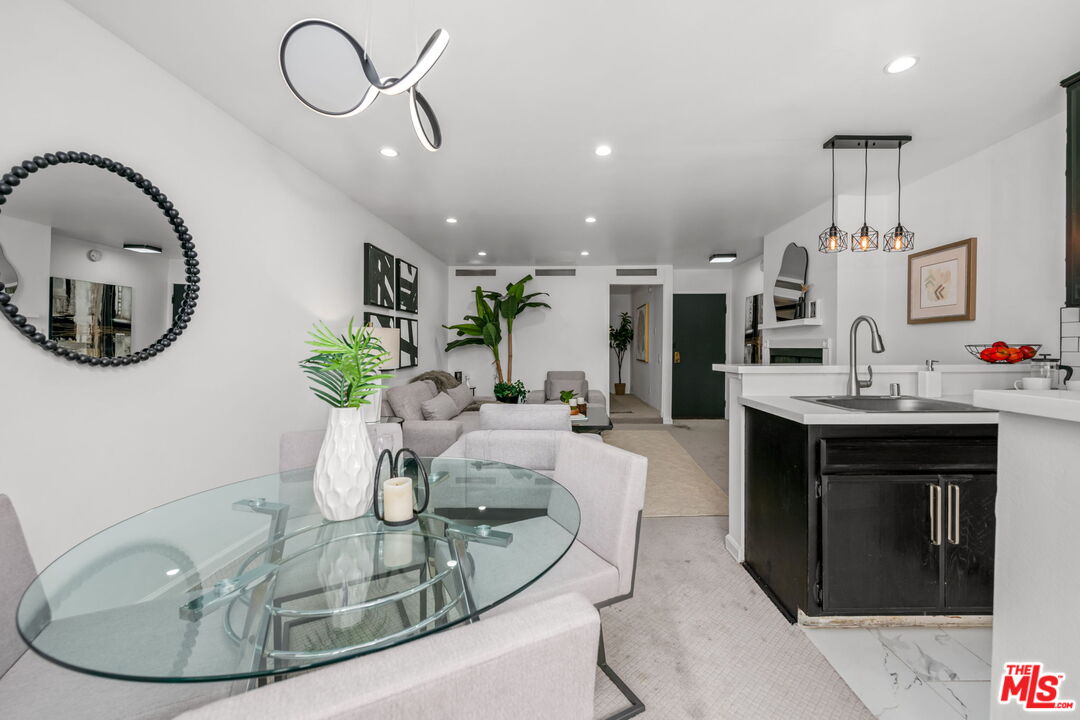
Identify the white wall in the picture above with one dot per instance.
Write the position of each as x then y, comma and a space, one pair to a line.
620, 303
27, 246
1010, 196
278, 248
647, 377
572, 335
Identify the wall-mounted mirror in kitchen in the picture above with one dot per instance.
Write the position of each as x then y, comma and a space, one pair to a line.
789, 291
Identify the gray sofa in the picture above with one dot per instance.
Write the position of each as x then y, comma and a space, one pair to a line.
426, 429
559, 380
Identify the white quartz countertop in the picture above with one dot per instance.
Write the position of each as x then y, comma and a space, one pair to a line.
809, 413
1054, 404
810, 369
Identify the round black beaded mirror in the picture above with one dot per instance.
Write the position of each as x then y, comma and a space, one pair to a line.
88, 270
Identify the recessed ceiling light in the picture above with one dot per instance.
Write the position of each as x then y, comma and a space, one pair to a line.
722, 257
482, 253
143, 248
174, 571
901, 64
603, 150
388, 152
584, 253
590, 219
452, 220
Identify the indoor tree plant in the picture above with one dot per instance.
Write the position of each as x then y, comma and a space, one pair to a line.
485, 328
344, 370
620, 338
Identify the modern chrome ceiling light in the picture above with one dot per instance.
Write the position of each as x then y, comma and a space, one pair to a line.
899, 239
722, 257
865, 239
833, 239
143, 248
901, 64
311, 46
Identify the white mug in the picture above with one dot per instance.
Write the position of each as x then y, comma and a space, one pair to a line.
1073, 385
1032, 383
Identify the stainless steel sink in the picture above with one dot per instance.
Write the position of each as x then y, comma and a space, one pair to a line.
886, 403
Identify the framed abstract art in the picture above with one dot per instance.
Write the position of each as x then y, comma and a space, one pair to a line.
941, 283
378, 277
410, 354
408, 281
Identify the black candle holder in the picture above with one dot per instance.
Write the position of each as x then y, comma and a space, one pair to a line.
397, 469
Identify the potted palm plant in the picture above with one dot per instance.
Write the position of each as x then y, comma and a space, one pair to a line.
345, 370
620, 338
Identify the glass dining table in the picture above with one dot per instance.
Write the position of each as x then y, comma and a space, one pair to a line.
248, 581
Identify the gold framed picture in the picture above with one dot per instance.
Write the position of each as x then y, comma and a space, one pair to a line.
641, 333
941, 283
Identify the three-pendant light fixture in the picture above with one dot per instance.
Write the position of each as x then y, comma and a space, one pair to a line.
866, 238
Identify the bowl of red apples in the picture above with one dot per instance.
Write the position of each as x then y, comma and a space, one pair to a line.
1003, 352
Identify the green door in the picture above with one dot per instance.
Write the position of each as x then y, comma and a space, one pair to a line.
699, 340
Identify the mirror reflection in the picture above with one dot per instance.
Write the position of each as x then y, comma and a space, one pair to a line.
98, 267
789, 292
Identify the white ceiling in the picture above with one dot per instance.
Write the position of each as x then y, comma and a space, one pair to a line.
716, 110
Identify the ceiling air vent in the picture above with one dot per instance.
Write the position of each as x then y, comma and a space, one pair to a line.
635, 272
467, 272
555, 272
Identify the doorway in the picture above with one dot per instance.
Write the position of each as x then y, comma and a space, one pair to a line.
699, 340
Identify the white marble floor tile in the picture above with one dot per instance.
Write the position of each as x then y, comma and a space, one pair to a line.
971, 700
934, 654
977, 640
888, 687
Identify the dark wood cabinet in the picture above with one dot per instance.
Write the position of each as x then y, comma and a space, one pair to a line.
871, 520
878, 551
1072, 192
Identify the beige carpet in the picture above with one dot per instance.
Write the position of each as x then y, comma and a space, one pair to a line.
676, 486
700, 640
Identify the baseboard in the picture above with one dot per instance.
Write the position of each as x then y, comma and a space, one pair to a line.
734, 548
869, 621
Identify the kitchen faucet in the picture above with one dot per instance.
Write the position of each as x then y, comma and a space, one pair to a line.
855, 385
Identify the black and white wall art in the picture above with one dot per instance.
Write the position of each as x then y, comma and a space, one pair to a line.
378, 320
91, 318
378, 277
410, 355
408, 282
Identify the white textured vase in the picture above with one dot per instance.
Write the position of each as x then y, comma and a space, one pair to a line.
344, 473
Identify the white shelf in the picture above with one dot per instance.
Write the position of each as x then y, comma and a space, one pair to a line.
801, 322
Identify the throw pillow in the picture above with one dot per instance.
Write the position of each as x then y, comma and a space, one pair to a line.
557, 386
405, 400
440, 407
461, 395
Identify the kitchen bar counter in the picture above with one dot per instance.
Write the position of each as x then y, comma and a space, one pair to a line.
1038, 537
809, 413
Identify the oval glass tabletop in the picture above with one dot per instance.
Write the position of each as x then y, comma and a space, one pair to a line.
249, 580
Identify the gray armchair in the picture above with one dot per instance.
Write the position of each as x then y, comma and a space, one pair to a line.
536, 662
559, 380
32, 688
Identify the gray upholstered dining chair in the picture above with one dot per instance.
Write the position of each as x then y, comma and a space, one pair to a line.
536, 662
609, 486
300, 448
532, 449
32, 688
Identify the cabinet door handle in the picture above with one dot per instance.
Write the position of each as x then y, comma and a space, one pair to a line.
954, 513
935, 514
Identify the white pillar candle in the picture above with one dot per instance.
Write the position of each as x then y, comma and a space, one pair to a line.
397, 548
397, 499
